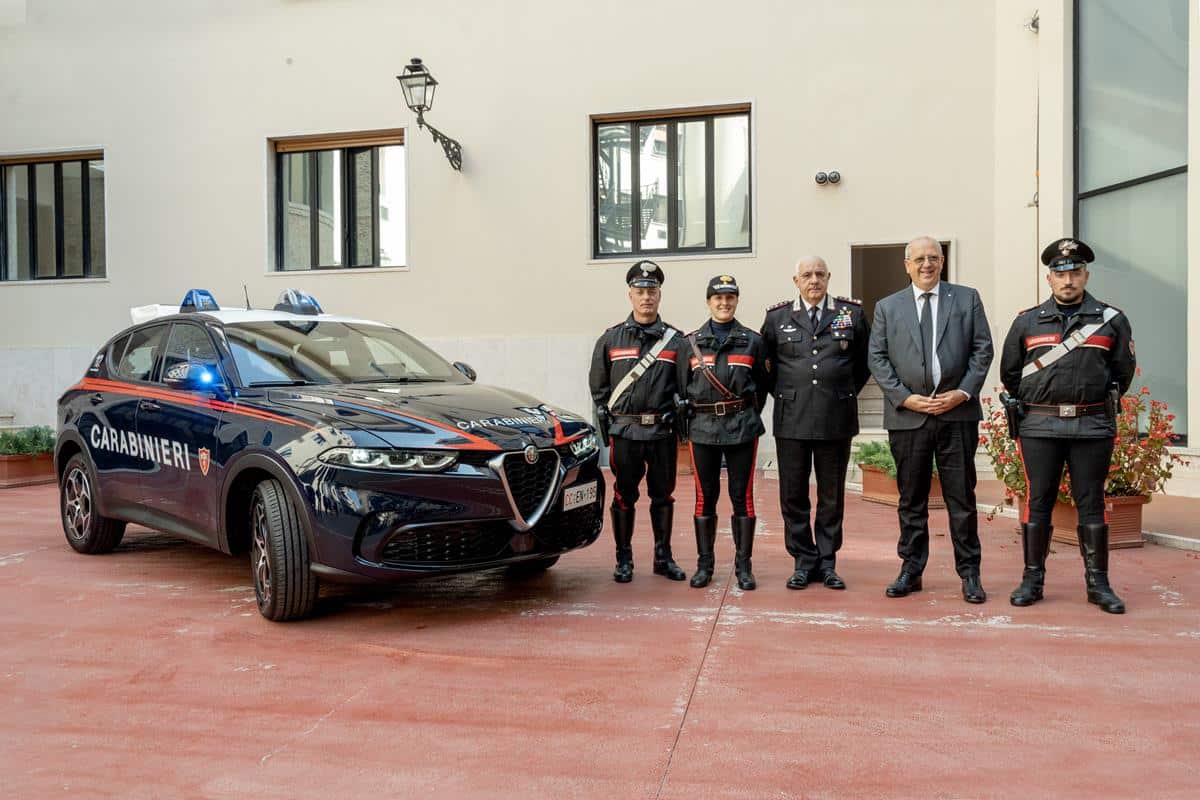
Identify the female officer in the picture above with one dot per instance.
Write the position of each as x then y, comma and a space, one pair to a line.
723, 386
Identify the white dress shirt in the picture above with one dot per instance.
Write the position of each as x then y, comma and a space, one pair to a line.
936, 369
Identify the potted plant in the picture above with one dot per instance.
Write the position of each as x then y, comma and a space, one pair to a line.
1141, 465
878, 468
26, 457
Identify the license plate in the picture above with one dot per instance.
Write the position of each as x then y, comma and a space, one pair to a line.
577, 496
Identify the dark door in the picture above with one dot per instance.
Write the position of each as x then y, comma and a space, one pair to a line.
179, 425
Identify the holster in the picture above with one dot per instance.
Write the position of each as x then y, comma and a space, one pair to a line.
1014, 411
1112, 401
603, 421
683, 417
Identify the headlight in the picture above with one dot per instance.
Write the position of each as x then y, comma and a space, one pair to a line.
390, 460
584, 447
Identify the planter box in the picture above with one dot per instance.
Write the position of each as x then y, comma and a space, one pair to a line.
1124, 516
877, 487
26, 470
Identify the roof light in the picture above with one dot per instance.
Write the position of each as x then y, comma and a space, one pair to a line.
198, 300
295, 301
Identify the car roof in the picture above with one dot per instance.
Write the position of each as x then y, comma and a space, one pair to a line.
146, 315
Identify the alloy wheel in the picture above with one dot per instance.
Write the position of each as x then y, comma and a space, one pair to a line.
77, 504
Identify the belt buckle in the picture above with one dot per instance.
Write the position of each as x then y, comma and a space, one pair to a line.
1068, 410
646, 419
719, 409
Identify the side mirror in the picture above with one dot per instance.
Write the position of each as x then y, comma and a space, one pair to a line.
194, 377
465, 369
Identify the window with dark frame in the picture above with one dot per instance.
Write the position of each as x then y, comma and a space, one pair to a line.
683, 175
52, 217
340, 201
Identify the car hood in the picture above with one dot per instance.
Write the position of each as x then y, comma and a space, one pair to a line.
459, 416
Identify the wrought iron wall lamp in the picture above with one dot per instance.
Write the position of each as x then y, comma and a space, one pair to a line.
418, 86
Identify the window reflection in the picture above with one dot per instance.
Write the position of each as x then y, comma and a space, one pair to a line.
614, 176
731, 181
690, 184
16, 190
392, 209
297, 243
45, 248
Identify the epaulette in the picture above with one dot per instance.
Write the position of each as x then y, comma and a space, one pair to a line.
1027, 310
851, 300
780, 304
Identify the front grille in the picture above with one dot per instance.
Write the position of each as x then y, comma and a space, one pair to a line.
563, 530
529, 483
462, 543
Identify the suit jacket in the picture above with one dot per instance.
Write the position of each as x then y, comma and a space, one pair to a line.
964, 350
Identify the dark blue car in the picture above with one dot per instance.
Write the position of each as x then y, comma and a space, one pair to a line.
327, 447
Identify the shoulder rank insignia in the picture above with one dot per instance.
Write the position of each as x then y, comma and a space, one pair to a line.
780, 304
851, 300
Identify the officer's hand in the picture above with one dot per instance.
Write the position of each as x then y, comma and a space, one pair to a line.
921, 404
683, 407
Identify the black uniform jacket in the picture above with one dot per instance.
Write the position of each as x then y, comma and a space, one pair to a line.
617, 351
816, 376
738, 364
1082, 376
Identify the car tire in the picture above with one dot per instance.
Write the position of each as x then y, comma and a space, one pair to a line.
528, 569
86, 531
284, 584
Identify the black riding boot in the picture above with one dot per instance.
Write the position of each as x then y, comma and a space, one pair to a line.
1093, 546
622, 525
1036, 538
706, 539
743, 540
660, 520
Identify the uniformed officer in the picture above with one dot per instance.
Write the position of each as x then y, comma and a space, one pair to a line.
816, 350
633, 384
1067, 362
722, 386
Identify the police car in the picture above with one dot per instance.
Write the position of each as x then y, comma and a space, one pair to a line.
327, 447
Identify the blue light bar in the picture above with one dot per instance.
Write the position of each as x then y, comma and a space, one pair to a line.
295, 301
198, 300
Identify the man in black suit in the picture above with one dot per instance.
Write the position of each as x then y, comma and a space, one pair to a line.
930, 350
816, 352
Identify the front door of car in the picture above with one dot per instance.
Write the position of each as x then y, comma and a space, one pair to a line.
178, 425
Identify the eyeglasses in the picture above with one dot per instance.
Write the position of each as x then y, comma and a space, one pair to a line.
926, 260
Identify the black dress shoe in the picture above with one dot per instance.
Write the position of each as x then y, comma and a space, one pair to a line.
799, 579
832, 580
905, 584
624, 572
973, 590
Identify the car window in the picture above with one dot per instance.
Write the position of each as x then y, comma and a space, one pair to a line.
331, 352
142, 353
116, 351
189, 344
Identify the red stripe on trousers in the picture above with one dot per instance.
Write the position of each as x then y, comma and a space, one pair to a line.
696, 478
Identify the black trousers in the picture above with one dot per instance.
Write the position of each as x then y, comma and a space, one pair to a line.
631, 460
1086, 460
952, 445
740, 461
813, 543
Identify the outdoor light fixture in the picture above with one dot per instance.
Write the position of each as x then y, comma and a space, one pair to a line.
418, 86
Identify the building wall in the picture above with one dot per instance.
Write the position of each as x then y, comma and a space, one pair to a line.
925, 107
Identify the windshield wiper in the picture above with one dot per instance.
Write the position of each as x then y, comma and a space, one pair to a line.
404, 379
281, 383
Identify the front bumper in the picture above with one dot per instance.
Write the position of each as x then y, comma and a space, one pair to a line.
380, 527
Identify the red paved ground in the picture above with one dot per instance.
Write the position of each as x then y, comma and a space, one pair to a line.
148, 673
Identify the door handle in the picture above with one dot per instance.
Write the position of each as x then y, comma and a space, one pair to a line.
96, 399
148, 405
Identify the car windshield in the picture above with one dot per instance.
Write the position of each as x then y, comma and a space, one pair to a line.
294, 353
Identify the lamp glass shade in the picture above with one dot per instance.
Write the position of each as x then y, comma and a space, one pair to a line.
418, 87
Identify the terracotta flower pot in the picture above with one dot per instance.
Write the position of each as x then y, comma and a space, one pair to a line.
26, 470
879, 488
1124, 515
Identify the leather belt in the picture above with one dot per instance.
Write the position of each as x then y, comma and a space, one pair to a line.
643, 419
1066, 410
722, 408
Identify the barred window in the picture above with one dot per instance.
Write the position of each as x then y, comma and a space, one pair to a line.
671, 182
340, 201
52, 213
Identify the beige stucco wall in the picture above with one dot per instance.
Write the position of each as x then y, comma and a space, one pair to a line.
925, 107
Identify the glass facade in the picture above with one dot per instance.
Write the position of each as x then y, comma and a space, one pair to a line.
1131, 176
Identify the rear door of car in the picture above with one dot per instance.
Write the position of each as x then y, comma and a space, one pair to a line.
179, 425
110, 428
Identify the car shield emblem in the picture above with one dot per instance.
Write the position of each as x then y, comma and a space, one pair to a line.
205, 460
531, 454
